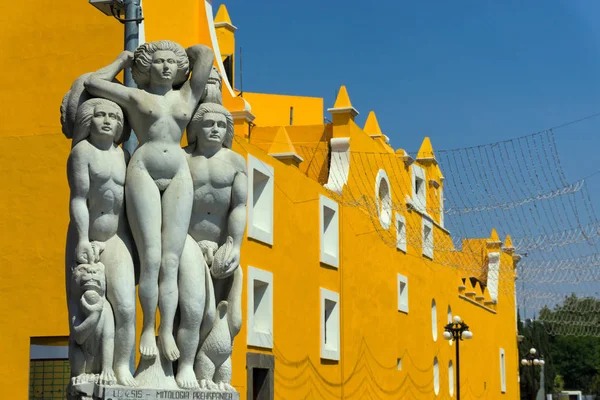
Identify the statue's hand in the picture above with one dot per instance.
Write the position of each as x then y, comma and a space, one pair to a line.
98, 248
126, 57
232, 262
209, 248
84, 253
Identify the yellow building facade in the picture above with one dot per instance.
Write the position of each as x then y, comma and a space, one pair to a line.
350, 274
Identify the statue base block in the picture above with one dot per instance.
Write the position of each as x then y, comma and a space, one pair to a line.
99, 392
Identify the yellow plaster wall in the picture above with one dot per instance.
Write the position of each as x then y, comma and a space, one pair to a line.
274, 109
54, 44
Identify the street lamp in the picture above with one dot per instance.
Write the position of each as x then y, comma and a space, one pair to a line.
132, 10
532, 359
457, 330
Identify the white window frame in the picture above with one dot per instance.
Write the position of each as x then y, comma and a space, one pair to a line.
402, 286
434, 324
401, 232
419, 200
260, 338
385, 210
442, 207
502, 371
330, 239
329, 351
451, 378
427, 245
436, 376
257, 230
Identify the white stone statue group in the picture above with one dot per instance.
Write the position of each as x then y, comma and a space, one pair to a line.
177, 216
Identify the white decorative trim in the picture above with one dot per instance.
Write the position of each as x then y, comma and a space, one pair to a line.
493, 275
330, 325
260, 327
427, 238
436, 376
287, 155
419, 200
502, 371
226, 25
260, 214
329, 231
340, 164
215, 45
451, 378
343, 110
442, 207
385, 210
434, 330
402, 287
400, 232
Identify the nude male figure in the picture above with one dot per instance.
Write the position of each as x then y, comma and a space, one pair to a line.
218, 213
98, 228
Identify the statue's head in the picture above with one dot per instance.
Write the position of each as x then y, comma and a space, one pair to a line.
90, 277
163, 61
215, 78
101, 117
211, 124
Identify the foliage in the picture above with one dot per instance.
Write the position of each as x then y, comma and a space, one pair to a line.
535, 336
576, 359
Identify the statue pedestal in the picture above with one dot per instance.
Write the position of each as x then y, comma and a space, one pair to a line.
97, 392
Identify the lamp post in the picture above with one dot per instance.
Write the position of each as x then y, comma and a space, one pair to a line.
532, 359
457, 330
132, 11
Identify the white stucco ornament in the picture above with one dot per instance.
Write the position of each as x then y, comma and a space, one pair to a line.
184, 211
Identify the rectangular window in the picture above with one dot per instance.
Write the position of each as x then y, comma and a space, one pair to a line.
260, 308
402, 293
329, 231
260, 382
502, 371
260, 200
427, 238
419, 195
49, 369
400, 232
330, 325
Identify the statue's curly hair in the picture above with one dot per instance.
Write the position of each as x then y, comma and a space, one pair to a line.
142, 60
83, 120
198, 116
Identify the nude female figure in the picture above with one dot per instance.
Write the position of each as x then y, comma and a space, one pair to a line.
98, 229
158, 188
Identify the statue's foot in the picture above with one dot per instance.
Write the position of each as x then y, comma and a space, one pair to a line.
79, 379
148, 348
186, 379
169, 347
107, 377
207, 384
124, 377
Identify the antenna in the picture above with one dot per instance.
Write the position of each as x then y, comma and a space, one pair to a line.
241, 74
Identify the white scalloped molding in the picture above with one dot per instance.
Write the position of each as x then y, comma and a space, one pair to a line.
340, 164
493, 272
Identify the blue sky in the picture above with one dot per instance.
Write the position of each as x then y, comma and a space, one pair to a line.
462, 72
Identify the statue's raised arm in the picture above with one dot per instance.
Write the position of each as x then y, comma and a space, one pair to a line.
201, 60
100, 83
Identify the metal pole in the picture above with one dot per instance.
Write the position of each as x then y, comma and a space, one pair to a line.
132, 11
457, 369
